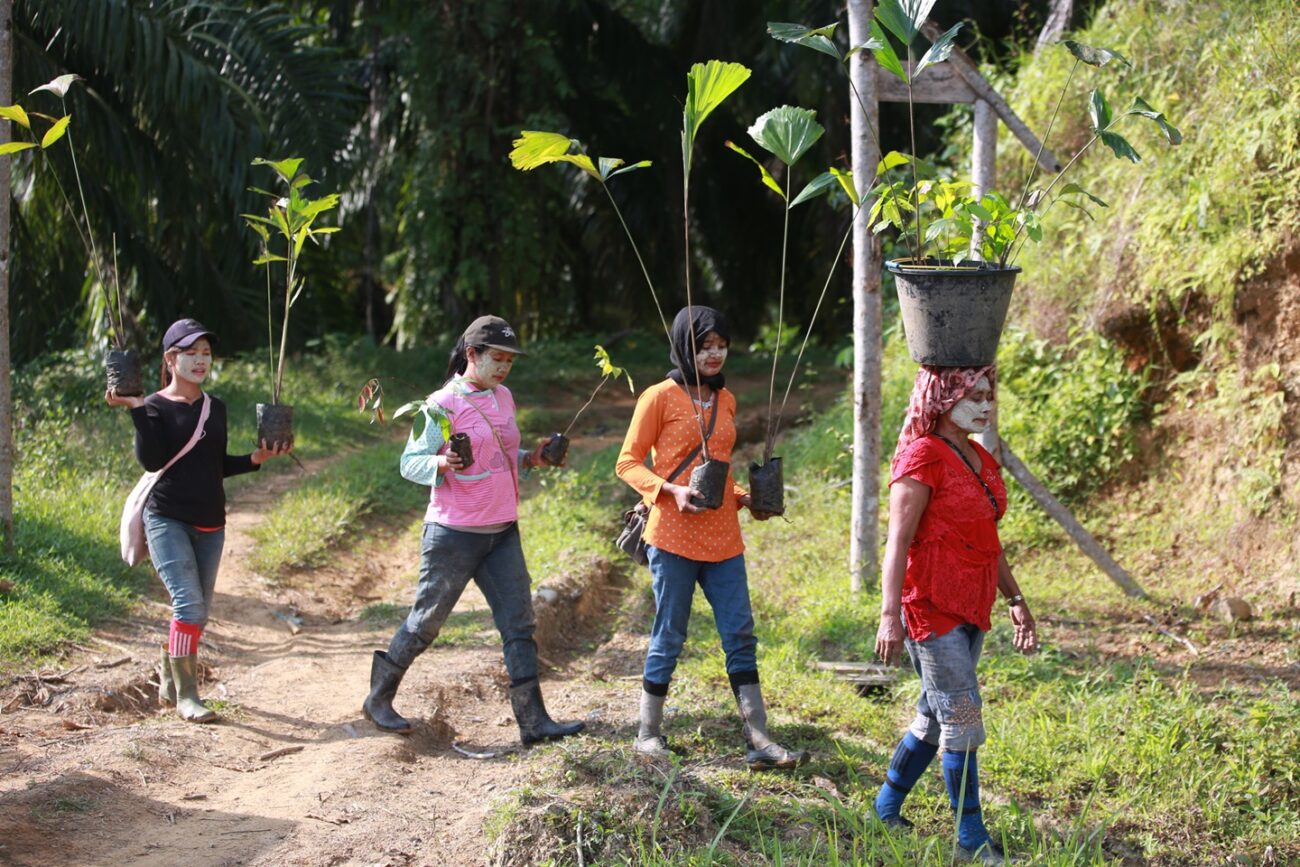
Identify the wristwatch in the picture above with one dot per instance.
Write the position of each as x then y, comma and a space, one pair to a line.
1013, 601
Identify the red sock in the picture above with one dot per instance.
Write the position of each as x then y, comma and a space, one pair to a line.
183, 640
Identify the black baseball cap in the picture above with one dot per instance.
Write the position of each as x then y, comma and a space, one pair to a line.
183, 333
493, 332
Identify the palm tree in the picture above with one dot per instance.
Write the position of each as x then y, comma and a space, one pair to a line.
177, 98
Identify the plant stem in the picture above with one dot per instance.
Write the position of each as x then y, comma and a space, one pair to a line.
916, 190
1042, 145
270, 328
117, 284
1059, 175
839, 254
690, 309
584, 406
640, 261
290, 269
770, 442
90, 232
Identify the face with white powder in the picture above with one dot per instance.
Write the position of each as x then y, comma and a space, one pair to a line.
972, 413
490, 367
192, 363
711, 354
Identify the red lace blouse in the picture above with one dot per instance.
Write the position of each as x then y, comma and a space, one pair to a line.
952, 564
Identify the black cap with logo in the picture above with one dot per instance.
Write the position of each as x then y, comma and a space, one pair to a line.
493, 332
183, 333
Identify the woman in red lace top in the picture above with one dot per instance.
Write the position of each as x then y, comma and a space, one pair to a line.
942, 571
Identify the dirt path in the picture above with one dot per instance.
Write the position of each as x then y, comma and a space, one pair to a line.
292, 774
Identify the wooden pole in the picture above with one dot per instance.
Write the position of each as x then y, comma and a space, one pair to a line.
866, 312
984, 155
6, 388
966, 68
1085, 540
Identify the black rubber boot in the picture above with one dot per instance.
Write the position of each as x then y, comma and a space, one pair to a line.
385, 677
535, 724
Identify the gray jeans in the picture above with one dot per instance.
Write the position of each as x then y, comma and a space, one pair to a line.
950, 711
448, 560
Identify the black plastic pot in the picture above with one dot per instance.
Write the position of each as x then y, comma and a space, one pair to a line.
767, 487
953, 315
710, 479
122, 367
460, 445
274, 424
555, 449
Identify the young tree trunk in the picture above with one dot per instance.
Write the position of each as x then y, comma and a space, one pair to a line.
866, 314
370, 253
6, 393
1058, 21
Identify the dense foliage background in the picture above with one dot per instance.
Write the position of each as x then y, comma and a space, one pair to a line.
410, 109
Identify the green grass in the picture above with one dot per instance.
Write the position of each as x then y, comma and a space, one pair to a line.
1095, 754
1197, 219
74, 468
327, 509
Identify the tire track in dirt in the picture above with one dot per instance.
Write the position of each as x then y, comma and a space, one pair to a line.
141, 787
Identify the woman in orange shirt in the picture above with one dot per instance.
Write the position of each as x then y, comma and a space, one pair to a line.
687, 544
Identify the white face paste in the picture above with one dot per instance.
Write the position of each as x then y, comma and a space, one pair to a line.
194, 363
972, 415
491, 368
711, 356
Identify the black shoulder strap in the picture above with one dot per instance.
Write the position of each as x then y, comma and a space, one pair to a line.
997, 515
713, 418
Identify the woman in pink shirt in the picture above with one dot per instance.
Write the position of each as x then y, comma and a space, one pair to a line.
471, 531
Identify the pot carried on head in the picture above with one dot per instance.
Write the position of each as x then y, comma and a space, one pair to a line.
953, 314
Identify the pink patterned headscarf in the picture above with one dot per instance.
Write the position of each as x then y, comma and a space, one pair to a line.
937, 390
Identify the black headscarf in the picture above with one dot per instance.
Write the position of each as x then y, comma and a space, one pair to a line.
706, 319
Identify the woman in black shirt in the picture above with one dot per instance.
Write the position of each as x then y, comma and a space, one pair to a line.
185, 516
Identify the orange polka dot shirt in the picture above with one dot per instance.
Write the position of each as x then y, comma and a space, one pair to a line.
664, 427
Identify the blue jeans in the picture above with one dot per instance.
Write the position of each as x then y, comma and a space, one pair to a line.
725, 585
187, 561
448, 560
950, 711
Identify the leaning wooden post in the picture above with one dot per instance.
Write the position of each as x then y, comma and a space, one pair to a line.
984, 156
1070, 524
6, 391
866, 311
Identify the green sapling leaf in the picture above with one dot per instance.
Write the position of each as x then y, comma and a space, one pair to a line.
1120, 146
904, 18
787, 132
285, 168
1141, 108
818, 186
1094, 56
17, 114
707, 86
817, 38
768, 180
13, 147
1099, 111
939, 51
1072, 189
56, 132
845, 177
884, 52
643, 164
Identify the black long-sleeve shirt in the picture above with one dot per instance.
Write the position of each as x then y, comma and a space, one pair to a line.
192, 490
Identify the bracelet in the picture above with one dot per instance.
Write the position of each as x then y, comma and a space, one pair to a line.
1015, 600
